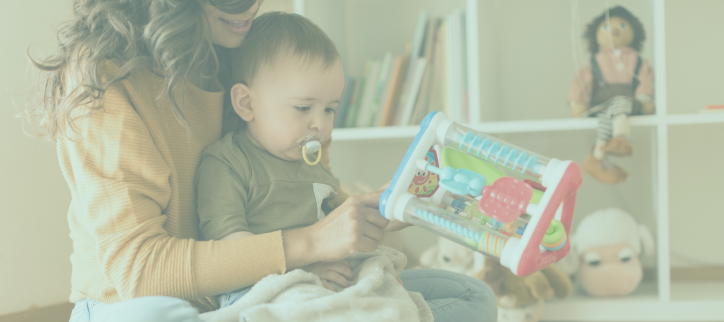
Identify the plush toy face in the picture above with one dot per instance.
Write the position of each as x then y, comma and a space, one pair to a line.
616, 33
610, 270
448, 255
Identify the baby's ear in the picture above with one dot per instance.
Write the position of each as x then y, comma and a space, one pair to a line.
241, 100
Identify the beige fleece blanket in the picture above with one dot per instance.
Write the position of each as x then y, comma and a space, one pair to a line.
375, 295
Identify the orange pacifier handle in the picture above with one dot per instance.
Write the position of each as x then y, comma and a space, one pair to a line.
304, 155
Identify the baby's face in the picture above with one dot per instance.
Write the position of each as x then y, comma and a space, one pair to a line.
293, 100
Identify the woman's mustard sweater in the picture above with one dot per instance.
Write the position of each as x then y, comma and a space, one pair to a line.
130, 168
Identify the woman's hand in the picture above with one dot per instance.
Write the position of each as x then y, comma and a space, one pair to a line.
355, 226
339, 272
396, 225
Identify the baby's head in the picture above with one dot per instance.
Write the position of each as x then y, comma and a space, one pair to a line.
289, 79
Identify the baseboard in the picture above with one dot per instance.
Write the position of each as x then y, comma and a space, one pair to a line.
687, 274
54, 313
697, 274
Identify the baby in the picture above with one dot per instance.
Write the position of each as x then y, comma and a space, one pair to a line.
288, 80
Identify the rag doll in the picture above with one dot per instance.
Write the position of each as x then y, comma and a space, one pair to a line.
615, 84
605, 253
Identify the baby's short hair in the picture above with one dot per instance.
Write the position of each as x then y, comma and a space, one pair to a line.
274, 34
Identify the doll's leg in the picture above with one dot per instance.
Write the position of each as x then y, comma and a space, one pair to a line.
618, 112
603, 135
596, 164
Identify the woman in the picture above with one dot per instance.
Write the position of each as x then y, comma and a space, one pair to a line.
132, 97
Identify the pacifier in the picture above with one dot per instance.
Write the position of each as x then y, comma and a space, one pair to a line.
310, 145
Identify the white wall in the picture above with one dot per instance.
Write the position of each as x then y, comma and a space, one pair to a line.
34, 242
695, 65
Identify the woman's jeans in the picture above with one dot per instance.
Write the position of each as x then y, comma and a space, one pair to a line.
451, 297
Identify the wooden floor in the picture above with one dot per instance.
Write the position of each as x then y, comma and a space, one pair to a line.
55, 313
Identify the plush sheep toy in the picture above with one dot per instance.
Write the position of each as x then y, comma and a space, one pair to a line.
605, 253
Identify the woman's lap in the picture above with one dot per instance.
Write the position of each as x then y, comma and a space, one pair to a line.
142, 309
451, 297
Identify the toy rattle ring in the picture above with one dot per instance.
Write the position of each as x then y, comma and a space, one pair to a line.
555, 236
311, 147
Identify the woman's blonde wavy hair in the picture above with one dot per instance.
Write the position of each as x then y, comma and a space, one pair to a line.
170, 36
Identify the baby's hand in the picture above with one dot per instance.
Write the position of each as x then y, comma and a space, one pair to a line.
339, 272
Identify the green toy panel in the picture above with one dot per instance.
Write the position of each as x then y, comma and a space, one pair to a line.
456, 159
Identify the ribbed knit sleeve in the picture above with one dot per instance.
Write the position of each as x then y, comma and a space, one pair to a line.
120, 186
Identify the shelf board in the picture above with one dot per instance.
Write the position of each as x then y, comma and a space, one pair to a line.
698, 291
571, 124
642, 305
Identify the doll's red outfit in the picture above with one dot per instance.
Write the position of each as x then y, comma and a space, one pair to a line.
614, 85
617, 67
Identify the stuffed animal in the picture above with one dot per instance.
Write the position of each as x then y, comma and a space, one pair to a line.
617, 83
605, 253
448, 255
520, 299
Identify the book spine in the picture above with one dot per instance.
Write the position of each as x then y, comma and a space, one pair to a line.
368, 96
380, 90
344, 105
416, 80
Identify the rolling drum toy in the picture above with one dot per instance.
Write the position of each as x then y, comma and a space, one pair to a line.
503, 201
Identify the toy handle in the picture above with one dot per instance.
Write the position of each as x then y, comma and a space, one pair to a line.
532, 259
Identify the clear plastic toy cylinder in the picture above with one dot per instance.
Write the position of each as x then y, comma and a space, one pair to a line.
472, 233
513, 160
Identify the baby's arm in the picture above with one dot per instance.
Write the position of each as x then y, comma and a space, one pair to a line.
221, 200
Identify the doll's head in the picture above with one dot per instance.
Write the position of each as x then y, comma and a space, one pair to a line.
618, 28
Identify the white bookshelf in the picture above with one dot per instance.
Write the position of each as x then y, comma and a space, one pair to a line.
659, 299
569, 124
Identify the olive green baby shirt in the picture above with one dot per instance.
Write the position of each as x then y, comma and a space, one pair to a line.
243, 187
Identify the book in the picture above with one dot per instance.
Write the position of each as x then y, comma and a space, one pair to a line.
418, 39
423, 98
351, 119
464, 66
390, 117
349, 86
415, 81
452, 84
437, 91
380, 90
368, 95
389, 91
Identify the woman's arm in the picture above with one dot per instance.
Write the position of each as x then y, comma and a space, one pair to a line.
121, 190
237, 235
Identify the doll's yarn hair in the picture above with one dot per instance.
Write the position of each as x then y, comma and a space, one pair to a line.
618, 11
